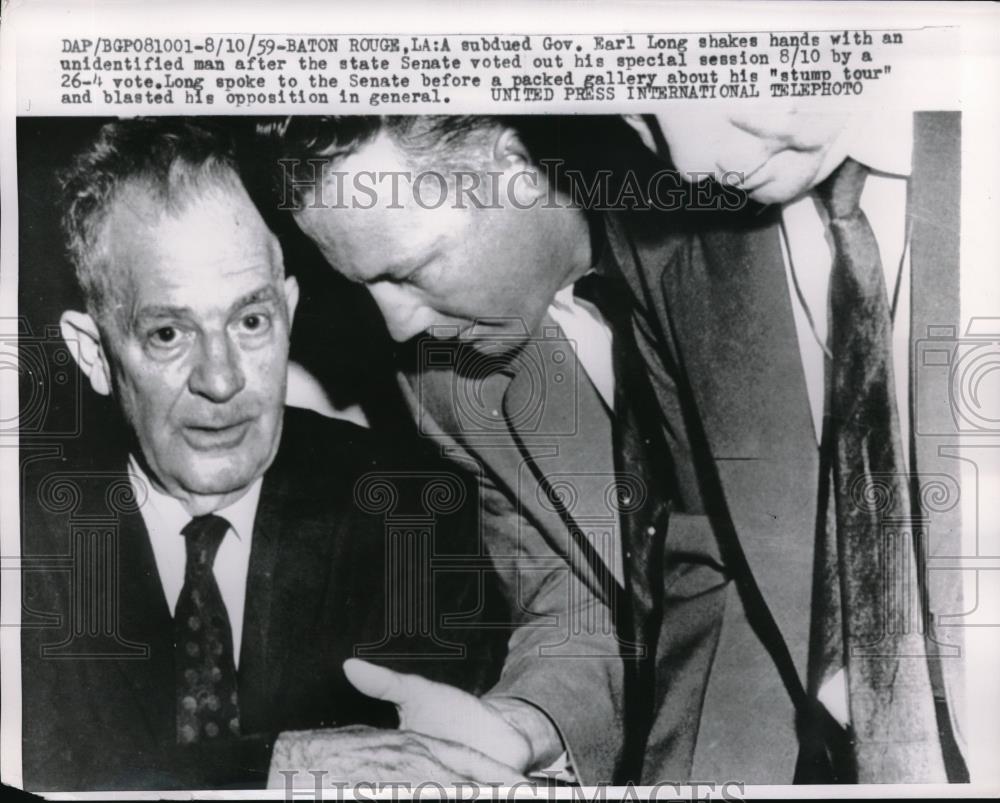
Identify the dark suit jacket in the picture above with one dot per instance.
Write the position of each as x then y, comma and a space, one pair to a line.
350, 533
714, 322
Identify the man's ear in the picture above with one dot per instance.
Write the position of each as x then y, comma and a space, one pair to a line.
511, 156
509, 152
291, 297
80, 330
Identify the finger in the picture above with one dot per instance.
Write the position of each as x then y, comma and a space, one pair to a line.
385, 684
474, 765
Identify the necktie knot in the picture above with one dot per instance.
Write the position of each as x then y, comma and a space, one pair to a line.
203, 536
840, 194
605, 293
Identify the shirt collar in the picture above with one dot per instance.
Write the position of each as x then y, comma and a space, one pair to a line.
164, 515
564, 298
603, 263
882, 142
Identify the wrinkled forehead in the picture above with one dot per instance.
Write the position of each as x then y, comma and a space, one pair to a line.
206, 247
211, 217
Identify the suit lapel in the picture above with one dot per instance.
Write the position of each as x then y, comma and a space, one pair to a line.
935, 197
292, 530
724, 301
257, 669
543, 428
566, 476
454, 409
146, 619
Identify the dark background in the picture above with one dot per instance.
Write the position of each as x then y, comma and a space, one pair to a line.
338, 335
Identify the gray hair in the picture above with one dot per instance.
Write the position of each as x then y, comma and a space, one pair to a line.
172, 160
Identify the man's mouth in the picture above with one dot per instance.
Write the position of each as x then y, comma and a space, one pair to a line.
749, 180
499, 327
213, 437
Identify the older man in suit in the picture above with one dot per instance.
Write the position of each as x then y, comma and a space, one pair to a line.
197, 585
775, 651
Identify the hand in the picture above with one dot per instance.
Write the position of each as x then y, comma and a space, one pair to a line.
513, 732
359, 754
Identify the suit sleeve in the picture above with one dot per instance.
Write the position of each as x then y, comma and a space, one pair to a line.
562, 650
562, 655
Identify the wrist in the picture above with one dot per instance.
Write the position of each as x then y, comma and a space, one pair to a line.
539, 732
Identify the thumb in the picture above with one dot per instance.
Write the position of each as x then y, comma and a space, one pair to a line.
385, 684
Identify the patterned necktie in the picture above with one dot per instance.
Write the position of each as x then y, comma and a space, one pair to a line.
868, 616
207, 703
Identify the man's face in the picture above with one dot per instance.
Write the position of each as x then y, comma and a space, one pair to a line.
481, 273
198, 353
780, 154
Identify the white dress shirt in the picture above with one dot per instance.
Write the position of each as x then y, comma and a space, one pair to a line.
591, 338
808, 254
165, 517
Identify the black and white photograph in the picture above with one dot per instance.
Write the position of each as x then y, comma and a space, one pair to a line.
543, 449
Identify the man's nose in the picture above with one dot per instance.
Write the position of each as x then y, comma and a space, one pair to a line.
217, 374
405, 314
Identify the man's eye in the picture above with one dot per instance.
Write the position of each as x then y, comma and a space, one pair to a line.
164, 336
255, 322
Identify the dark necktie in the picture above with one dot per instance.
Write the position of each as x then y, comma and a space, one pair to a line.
645, 488
869, 603
207, 703
641, 453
